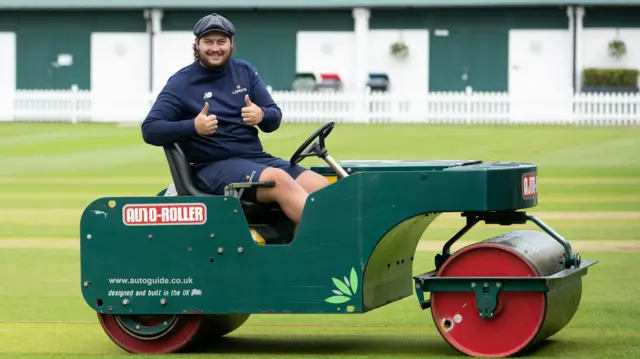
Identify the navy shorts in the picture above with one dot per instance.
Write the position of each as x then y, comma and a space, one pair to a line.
214, 177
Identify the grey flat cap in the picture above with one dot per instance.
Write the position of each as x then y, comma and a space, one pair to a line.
214, 22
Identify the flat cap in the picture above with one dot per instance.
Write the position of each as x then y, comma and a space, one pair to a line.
214, 22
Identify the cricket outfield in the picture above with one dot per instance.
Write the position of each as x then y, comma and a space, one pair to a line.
589, 188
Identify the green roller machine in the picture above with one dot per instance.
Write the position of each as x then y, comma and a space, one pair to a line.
173, 273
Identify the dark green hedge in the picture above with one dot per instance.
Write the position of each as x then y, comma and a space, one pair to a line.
610, 77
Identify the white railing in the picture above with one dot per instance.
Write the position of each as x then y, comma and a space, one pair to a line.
434, 107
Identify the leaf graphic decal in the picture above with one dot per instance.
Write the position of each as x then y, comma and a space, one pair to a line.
344, 289
337, 299
341, 286
354, 280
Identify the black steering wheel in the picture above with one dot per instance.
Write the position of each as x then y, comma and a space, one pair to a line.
318, 148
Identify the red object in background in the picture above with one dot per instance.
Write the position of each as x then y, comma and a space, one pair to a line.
335, 77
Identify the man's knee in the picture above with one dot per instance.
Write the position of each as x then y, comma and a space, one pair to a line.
312, 181
285, 185
280, 177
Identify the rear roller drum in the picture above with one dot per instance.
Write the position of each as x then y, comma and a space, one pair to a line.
515, 320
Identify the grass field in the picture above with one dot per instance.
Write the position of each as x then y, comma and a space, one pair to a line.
589, 184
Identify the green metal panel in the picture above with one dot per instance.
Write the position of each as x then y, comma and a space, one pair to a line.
394, 165
267, 39
612, 16
211, 264
42, 35
477, 43
227, 4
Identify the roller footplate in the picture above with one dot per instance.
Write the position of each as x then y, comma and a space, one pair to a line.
488, 288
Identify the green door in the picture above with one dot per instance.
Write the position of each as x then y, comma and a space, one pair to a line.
476, 57
447, 63
38, 67
488, 54
275, 61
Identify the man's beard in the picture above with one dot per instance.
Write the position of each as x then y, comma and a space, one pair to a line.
204, 60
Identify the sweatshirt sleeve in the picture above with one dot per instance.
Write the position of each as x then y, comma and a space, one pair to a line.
164, 124
261, 97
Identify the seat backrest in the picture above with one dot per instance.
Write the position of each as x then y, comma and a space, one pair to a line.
180, 171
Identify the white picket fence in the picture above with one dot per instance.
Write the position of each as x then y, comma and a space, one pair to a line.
428, 108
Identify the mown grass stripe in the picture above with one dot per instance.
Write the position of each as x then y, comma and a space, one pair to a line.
424, 245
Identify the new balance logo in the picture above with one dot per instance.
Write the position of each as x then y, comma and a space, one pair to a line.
207, 95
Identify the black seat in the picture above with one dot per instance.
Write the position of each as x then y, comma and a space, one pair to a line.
183, 181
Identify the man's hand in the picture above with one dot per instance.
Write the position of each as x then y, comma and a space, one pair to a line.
251, 114
206, 124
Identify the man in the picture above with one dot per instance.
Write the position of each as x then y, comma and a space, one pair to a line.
213, 109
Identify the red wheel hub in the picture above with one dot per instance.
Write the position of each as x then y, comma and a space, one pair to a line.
517, 318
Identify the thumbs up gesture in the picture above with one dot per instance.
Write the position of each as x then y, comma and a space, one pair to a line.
251, 113
206, 124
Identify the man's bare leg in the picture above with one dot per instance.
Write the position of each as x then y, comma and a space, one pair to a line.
312, 181
288, 193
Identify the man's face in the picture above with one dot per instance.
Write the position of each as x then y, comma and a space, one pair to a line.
214, 50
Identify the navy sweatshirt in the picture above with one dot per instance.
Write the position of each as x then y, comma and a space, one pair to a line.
171, 119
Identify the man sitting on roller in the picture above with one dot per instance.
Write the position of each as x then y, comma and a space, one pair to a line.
213, 109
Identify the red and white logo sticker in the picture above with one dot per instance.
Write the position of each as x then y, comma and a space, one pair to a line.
529, 185
164, 214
